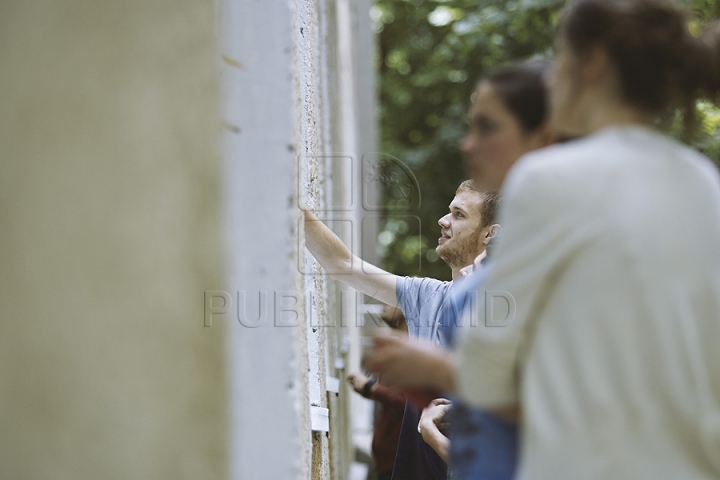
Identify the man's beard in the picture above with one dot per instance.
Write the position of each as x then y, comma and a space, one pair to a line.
463, 252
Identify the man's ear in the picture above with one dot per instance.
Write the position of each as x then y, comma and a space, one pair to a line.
492, 232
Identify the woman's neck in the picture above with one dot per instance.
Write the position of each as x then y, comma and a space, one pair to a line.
608, 111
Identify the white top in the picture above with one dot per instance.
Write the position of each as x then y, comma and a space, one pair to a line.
611, 252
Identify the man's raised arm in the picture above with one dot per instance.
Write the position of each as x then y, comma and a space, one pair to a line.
343, 266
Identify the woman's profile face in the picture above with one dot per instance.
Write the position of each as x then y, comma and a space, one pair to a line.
495, 139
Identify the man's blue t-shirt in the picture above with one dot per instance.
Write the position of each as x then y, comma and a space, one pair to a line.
421, 300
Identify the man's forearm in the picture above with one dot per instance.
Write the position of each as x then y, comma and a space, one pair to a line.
381, 393
339, 262
326, 247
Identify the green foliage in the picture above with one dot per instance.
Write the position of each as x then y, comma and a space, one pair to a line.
431, 54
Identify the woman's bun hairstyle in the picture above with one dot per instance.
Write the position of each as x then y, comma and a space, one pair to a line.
660, 64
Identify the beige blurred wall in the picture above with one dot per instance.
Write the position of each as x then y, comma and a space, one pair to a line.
109, 234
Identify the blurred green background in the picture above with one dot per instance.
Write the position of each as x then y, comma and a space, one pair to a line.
429, 57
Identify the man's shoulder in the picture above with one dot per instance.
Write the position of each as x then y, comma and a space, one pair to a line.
421, 290
423, 283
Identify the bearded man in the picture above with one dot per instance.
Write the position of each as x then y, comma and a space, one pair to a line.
464, 235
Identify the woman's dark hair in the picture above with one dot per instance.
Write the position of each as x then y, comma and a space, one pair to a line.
659, 63
523, 90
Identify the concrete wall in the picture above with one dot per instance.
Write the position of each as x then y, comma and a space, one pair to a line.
292, 139
160, 316
270, 413
110, 231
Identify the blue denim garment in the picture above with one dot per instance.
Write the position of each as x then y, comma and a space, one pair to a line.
482, 446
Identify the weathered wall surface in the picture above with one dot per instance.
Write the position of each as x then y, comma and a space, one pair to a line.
110, 214
293, 137
267, 344
160, 317
336, 106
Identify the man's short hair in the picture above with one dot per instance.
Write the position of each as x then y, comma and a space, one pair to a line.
489, 205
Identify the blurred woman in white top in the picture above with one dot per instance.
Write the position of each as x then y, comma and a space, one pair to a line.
611, 252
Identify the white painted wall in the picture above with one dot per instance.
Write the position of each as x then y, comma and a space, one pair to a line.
291, 77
